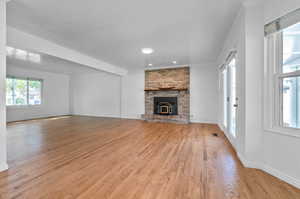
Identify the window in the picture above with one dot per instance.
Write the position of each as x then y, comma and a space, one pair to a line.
282, 75
290, 102
23, 91
290, 77
282, 86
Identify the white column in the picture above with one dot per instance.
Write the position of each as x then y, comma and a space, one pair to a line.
3, 155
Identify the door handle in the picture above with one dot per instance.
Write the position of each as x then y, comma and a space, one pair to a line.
235, 105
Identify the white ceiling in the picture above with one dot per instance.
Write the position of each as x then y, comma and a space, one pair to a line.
188, 31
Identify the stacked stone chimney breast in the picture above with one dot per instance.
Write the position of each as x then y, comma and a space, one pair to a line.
171, 82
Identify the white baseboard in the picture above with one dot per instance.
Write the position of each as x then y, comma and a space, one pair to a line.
110, 116
95, 115
258, 165
229, 138
248, 163
37, 117
282, 176
131, 117
3, 167
221, 127
139, 118
274, 172
203, 121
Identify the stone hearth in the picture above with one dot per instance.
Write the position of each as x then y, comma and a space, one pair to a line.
168, 83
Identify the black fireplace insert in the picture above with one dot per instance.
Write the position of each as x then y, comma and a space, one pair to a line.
165, 106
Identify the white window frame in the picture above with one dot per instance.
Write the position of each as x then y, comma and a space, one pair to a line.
27, 97
273, 104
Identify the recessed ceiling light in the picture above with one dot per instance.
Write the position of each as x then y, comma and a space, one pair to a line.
174, 62
147, 51
150, 64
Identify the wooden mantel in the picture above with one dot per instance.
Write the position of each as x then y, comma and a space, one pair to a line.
172, 79
167, 89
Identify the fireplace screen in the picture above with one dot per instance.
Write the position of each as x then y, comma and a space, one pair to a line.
165, 105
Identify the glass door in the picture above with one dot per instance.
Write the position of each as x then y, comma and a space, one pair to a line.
230, 97
232, 101
225, 97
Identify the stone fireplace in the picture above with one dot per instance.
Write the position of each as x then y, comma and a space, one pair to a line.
167, 96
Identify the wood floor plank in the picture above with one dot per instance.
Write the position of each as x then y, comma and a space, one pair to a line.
89, 157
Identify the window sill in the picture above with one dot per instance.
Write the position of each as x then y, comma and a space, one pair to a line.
24, 106
284, 131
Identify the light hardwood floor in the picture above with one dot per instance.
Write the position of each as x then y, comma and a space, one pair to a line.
87, 157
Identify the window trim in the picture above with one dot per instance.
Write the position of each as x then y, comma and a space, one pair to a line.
273, 102
27, 97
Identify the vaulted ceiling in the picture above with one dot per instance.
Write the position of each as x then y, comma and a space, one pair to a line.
186, 31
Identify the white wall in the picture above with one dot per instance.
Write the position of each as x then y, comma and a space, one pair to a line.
55, 96
3, 158
275, 153
204, 95
97, 94
133, 94
254, 69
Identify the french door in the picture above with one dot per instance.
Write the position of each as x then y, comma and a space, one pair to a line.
230, 97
